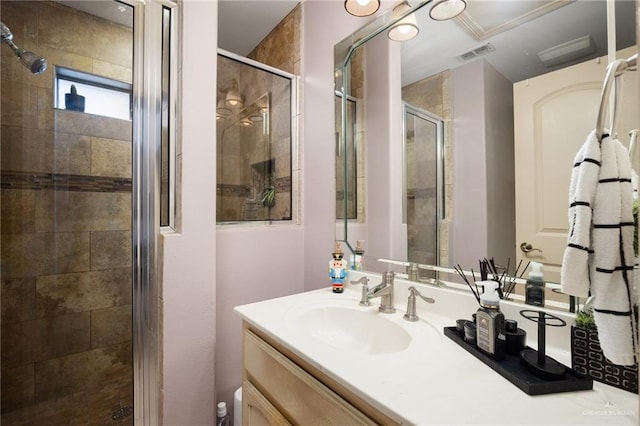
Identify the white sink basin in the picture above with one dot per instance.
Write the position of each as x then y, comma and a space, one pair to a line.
354, 329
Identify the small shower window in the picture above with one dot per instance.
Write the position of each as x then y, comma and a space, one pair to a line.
93, 94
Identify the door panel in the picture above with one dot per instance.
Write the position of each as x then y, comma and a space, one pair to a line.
553, 115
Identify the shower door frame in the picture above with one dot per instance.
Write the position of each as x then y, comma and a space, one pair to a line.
438, 122
146, 172
293, 147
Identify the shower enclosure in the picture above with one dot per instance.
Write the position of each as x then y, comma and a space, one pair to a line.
72, 217
348, 162
423, 177
254, 141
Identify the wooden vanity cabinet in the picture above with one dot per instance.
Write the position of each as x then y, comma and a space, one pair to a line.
279, 388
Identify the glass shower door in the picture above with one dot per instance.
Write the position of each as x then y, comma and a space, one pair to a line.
66, 220
423, 139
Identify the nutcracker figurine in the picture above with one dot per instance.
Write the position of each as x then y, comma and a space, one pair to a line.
338, 270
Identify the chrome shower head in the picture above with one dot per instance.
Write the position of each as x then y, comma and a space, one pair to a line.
34, 63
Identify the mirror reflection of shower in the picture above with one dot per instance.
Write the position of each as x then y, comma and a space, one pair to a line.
34, 63
231, 109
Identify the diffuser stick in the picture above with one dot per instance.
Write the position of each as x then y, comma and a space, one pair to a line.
460, 272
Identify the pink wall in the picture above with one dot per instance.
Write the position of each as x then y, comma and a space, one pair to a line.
189, 256
469, 227
325, 23
253, 263
483, 221
386, 234
262, 262
501, 202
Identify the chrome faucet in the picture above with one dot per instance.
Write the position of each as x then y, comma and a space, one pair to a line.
412, 272
411, 304
384, 290
364, 299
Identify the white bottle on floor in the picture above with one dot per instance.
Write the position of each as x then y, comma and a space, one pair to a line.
222, 417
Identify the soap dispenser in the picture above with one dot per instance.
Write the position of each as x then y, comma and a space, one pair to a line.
337, 270
534, 289
358, 252
490, 336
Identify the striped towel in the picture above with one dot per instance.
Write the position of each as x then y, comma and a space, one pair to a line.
599, 253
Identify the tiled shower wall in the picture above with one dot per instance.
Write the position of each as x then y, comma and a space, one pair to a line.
65, 225
234, 177
432, 94
242, 150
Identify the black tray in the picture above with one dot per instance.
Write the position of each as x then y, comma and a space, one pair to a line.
512, 369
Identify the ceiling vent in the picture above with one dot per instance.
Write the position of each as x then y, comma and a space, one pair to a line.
477, 52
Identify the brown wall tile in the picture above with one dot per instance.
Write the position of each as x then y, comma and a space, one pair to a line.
28, 255
110, 157
270, 51
25, 149
58, 294
17, 387
113, 71
32, 341
45, 108
110, 249
19, 104
17, 211
83, 371
111, 325
18, 300
92, 32
92, 125
36, 150
83, 211
72, 154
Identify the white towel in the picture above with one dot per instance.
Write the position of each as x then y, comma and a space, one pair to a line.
599, 254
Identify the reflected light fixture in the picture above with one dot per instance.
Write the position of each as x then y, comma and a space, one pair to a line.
222, 112
255, 118
233, 98
447, 9
361, 7
246, 122
406, 28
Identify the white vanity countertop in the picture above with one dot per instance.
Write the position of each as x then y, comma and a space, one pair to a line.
435, 381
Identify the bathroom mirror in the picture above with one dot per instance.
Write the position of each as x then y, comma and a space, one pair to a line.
467, 72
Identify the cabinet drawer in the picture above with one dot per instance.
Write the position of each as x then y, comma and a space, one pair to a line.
257, 410
293, 392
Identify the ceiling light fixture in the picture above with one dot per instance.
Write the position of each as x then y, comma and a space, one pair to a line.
447, 9
361, 7
233, 98
246, 122
572, 50
406, 28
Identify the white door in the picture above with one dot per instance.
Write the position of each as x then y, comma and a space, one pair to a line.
553, 115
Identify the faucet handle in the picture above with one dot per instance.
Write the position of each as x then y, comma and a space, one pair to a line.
364, 299
411, 304
362, 280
